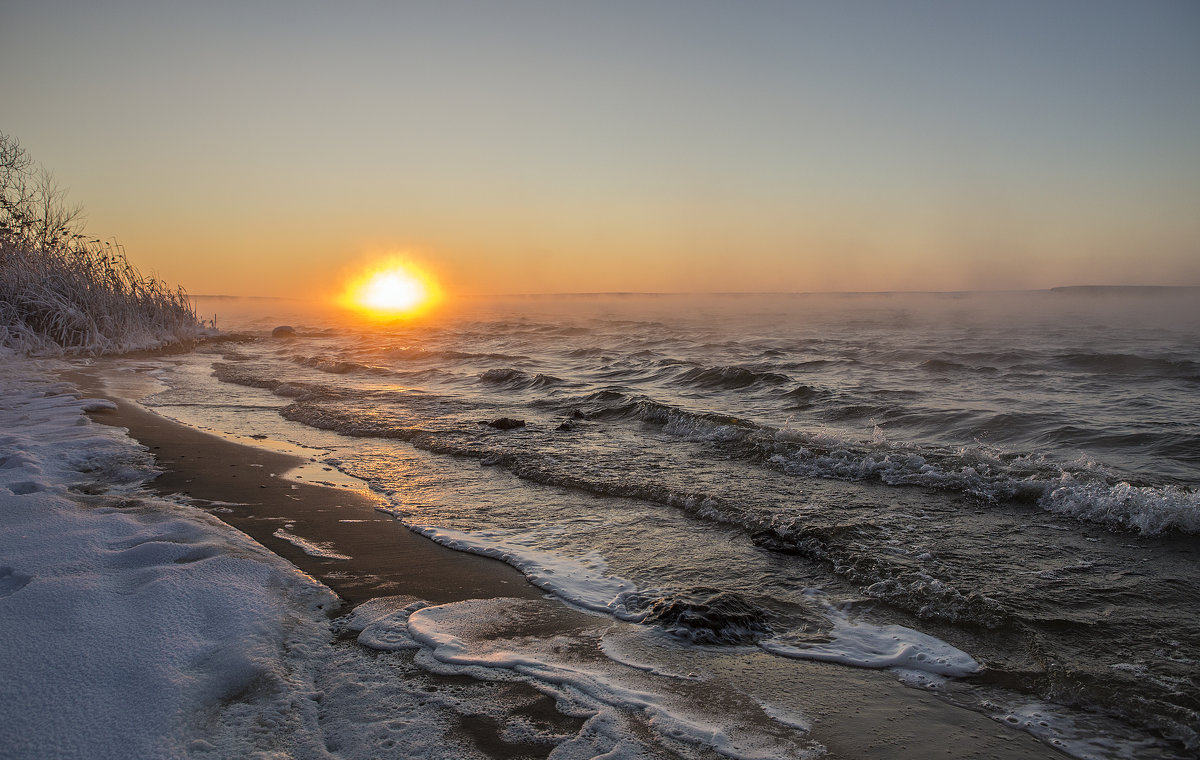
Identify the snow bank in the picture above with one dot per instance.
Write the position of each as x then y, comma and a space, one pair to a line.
130, 623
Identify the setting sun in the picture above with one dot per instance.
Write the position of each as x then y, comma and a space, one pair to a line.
390, 290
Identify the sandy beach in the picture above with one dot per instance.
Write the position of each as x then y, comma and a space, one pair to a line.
378, 555
245, 487
363, 554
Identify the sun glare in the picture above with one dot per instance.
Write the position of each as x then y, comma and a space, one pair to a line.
391, 290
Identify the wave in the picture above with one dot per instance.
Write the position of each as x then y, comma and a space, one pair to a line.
803, 396
230, 373
1131, 364
586, 353
1007, 424
515, 379
860, 411
1148, 510
711, 616
210, 343
417, 353
523, 462
949, 366
324, 417
898, 581
338, 367
302, 332
1080, 490
730, 378
811, 365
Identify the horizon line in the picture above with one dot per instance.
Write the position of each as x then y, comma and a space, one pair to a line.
743, 293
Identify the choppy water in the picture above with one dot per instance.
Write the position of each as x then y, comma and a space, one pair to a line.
1012, 479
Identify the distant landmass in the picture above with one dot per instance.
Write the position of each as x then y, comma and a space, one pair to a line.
1126, 290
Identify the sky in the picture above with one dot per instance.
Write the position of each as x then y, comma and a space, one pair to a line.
272, 147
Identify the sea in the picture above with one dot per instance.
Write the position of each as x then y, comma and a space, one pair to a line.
994, 498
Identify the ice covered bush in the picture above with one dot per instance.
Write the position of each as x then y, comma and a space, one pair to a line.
63, 292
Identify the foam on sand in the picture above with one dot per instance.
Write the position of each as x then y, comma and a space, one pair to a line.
584, 582
866, 645
318, 549
916, 657
561, 650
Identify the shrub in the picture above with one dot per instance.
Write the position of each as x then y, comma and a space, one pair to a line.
61, 292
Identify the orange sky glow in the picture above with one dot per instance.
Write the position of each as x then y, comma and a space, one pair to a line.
669, 147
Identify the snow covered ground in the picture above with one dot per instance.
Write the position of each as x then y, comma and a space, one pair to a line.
136, 627
128, 621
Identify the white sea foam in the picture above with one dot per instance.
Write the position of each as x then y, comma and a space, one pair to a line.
1150, 510
565, 660
866, 645
917, 658
319, 549
582, 582
382, 623
1145, 509
1083, 736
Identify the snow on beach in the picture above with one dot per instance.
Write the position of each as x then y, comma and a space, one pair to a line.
127, 619
136, 627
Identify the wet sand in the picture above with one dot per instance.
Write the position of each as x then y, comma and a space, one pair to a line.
245, 487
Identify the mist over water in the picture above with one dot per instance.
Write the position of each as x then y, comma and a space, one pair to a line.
1012, 476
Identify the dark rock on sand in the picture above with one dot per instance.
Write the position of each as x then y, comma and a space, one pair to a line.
704, 615
506, 423
772, 541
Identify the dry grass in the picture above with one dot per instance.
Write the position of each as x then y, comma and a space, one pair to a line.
63, 293
86, 298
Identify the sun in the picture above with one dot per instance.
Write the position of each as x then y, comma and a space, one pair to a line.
390, 290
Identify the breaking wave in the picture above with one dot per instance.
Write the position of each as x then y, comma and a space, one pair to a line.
1080, 490
887, 578
419, 354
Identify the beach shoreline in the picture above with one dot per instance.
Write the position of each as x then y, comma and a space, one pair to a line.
361, 553
249, 489
337, 535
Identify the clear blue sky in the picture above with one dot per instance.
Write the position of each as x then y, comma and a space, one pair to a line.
557, 146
